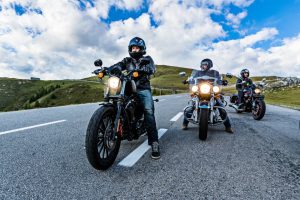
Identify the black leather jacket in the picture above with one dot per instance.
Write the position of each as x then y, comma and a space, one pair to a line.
129, 64
240, 86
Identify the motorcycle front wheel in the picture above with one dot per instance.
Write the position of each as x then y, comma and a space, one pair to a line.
203, 123
101, 148
260, 109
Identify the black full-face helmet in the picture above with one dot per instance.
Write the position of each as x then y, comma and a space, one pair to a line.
206, 64
139, 42
243, 72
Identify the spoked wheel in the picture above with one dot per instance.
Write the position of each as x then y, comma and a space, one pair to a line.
259, 110
101, 148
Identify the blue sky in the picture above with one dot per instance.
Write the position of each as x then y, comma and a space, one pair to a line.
282, 14
51, 38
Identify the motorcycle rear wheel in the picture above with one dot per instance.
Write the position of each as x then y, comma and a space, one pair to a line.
101, 148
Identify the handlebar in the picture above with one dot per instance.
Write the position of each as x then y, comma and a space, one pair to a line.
118, 72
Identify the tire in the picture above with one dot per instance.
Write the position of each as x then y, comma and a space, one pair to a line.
261, 112
203, 123
101, 150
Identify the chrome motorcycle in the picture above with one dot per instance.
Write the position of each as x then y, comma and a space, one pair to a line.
203, 109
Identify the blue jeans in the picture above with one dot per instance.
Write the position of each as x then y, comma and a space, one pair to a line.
223, 115
146, 99
240, 97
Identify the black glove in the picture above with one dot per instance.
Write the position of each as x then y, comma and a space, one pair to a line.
127, 60
144, 61
97, 71
146, 70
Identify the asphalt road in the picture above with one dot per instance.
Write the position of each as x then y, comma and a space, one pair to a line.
45, 158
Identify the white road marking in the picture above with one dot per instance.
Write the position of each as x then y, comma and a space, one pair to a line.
31, 127
161, 100
176, 117
134, 156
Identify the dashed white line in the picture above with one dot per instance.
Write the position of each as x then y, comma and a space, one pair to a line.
134, 156
31, 127
176, 117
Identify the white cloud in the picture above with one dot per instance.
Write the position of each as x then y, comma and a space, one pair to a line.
235, 20
68, 43
64, 41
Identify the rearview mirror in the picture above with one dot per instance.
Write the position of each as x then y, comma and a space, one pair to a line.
228, 75
182, 74
98, 63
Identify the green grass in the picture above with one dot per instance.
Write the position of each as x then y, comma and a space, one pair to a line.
285, 96
17, 94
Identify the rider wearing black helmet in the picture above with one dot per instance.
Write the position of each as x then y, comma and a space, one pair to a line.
240, 84
205, 66
137, 50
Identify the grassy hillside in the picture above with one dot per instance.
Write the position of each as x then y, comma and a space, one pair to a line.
17, 94
167, 77
288, 96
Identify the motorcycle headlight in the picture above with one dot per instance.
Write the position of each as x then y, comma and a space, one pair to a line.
113, 82
205, 88
194, 88
257, 91
216, 89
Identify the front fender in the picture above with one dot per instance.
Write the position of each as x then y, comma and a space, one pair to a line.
258, 96
106, 104
204, 105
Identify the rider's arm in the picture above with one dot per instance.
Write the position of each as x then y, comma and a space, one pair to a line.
219, 79
238, 84
194, 74
120, 65
150, 67
250, 81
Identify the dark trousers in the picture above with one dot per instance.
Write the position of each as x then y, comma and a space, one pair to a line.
146, 99
223, 115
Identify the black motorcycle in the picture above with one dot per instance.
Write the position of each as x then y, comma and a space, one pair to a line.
117, 118
252, 101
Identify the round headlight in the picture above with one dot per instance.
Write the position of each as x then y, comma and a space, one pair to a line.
216, 89
194, 88
205, 88
257, 91
113, 82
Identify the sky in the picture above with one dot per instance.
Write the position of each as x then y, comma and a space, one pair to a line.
60, 39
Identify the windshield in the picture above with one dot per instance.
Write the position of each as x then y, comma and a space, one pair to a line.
204, 78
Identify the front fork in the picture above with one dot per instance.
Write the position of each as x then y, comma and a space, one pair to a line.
117, 122
205, 105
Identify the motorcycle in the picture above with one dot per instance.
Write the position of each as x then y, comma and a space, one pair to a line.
203, 108
253, 100
118, 117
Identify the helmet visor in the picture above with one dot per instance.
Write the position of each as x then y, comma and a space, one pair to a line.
204, 63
